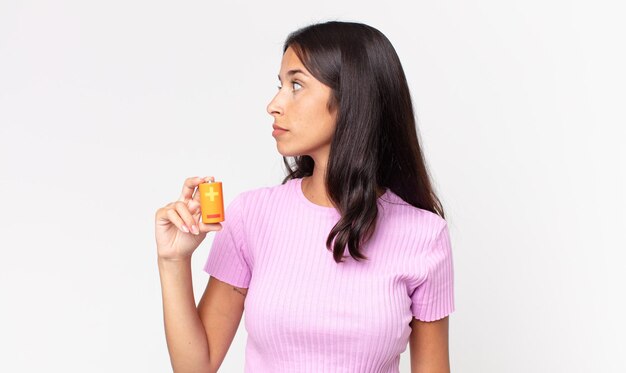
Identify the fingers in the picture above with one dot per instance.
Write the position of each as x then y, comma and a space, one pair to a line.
176, 220
178, 213
196, 212
186, 218
194, 209
190, 186
185, 213
196, 195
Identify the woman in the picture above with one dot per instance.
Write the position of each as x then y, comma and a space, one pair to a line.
358, 188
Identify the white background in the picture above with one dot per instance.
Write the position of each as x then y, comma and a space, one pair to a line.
106, 107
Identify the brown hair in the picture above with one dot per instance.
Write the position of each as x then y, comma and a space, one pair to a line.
375, 143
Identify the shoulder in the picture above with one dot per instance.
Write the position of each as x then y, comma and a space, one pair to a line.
423, 224
251, 198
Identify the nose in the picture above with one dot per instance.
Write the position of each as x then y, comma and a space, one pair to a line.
275, 107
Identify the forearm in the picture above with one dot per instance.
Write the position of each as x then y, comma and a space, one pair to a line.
185, 334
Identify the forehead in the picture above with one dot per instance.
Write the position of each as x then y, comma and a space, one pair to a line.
291, 61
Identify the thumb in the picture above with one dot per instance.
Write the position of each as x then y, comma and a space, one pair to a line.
205, 228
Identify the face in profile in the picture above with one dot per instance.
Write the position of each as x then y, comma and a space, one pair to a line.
300, 107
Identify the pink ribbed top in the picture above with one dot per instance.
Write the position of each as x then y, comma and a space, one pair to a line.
306, 313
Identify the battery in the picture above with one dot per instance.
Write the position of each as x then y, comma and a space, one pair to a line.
211, 202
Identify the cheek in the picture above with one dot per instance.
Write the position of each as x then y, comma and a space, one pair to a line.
317, 109
304, 116
327, 121
310, 114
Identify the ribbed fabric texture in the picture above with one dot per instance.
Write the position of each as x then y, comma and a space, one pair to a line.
306, 313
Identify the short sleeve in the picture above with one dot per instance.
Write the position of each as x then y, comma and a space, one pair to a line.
228, 258
433, 299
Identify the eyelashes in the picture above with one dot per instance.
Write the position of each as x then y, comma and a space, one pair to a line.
293, 82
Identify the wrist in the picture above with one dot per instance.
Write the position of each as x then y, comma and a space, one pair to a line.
168, 261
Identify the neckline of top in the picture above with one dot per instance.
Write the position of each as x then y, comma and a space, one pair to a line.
297, 184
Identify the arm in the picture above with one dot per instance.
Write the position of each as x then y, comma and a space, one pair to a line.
428, 344
186, 338
221, 309
191, 347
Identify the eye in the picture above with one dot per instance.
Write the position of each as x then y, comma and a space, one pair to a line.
294, 84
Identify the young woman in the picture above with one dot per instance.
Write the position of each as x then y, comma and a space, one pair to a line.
346, 261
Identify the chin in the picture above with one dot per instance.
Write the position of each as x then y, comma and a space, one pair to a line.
286, 152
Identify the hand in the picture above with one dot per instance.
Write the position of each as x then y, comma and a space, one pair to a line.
176, 237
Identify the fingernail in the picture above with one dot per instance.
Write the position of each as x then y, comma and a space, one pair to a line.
195, 230
185, 229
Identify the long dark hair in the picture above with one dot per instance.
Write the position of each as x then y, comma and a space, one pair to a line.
375, 143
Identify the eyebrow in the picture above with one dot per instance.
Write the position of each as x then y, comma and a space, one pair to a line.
293, 72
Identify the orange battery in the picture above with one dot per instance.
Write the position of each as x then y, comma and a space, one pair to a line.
211, 202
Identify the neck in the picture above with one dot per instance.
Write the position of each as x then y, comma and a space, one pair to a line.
314, 188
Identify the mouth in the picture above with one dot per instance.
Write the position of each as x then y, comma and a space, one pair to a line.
278, 128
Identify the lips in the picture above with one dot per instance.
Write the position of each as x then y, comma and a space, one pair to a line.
278, 128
